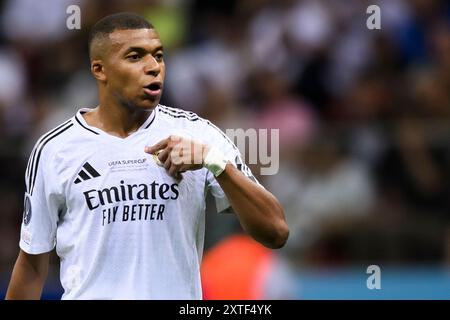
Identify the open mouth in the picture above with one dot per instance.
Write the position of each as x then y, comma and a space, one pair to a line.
153, 89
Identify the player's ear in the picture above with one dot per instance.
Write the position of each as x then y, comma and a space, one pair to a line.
98, 70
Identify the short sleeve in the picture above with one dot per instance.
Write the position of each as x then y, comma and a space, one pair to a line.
219, 140
42, 203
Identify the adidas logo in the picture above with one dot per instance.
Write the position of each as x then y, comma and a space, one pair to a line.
88, 173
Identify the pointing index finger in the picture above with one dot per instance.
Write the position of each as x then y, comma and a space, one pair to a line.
158, 146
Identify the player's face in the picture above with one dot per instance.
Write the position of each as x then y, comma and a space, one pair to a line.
134, 68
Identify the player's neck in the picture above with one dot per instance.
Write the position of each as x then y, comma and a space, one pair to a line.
118, 121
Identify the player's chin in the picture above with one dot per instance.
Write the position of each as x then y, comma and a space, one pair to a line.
149, 103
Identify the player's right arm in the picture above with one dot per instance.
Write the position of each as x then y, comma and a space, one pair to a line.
43, 203
28, 276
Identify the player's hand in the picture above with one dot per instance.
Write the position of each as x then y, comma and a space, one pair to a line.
178, 154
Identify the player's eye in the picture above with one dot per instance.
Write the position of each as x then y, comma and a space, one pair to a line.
133, 57
159, 56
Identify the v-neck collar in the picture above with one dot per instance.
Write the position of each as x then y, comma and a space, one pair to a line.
94, 130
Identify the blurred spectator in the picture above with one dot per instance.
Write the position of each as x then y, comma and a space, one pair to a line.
324, 186
36, 22
274, 106
415, 172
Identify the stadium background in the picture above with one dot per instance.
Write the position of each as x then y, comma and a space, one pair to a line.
364, 131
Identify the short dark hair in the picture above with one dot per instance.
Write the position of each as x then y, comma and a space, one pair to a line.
117, 21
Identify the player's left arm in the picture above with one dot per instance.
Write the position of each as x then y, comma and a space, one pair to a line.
259, 212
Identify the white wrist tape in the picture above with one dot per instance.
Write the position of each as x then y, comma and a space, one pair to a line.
215, 161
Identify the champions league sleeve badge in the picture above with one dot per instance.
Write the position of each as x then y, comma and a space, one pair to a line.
27, 210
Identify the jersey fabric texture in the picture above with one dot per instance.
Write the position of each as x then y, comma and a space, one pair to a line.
122, 227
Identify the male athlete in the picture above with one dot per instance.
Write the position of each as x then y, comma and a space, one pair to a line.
120, 189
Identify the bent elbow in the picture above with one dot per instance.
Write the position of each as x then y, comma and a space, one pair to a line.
278, 235
282, 235
276, 238
282, 230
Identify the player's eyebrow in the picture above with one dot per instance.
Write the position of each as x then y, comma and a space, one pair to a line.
143, 50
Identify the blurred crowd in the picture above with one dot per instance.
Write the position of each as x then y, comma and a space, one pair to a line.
364, 115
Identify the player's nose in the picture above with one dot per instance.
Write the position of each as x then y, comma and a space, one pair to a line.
152, 66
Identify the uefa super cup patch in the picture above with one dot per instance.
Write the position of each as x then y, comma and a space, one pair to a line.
128, 165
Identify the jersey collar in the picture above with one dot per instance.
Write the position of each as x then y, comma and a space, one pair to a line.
94, 130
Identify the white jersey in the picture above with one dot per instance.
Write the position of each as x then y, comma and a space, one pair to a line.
123, 228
